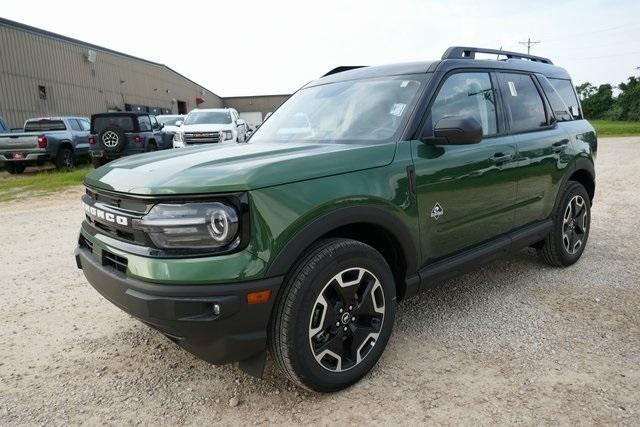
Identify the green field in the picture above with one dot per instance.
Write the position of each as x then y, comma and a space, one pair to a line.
615, 128
38, 183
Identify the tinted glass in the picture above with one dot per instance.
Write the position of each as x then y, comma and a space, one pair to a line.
560, 109
44, 125
208, 117
467, 94
568, 95
144, 123
362, 111
74, 124
169, 120
123, 122
523, 103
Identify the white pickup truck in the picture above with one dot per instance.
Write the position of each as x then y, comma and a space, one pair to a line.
57, 139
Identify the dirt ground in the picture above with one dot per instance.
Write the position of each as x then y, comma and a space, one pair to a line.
515, 342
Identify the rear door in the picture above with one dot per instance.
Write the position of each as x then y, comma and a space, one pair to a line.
540, 142
466, 193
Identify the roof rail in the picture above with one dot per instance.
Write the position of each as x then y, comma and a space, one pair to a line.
459, 52
342, 68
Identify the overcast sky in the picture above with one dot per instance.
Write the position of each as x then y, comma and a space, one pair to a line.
265, 47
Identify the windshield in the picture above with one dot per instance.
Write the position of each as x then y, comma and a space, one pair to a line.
360, 110
169, 120
208, 118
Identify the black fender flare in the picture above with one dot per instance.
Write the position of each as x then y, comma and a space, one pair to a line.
581, 163
328, 222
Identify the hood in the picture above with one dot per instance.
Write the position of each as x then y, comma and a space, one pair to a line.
205, 127
234, 167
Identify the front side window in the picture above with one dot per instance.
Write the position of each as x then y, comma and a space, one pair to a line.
568, 95
84, 124
359, 111
169, 120
74, 124
522, 101
208, 118
470, 95
154, 122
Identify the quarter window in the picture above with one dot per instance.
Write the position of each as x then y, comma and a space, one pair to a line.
523, 104
467, 94
560, 109
568, 95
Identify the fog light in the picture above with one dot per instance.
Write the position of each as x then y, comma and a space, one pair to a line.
216, 309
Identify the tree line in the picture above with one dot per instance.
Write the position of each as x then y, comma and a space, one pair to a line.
599, 102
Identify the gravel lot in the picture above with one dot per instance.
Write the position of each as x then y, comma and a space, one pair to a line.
515, 342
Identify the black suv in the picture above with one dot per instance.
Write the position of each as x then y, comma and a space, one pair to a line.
119, 134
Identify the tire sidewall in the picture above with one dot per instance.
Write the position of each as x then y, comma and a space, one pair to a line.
121, 139
573, 190
303, 360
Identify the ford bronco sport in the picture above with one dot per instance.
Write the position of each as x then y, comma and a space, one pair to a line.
302, 243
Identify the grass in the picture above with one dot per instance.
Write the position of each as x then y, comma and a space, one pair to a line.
38, 183
616, 128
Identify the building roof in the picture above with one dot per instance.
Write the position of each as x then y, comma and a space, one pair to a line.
34, 30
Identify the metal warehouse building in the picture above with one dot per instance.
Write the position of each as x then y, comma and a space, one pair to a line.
47, 74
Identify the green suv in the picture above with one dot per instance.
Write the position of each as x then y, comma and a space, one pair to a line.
368, 186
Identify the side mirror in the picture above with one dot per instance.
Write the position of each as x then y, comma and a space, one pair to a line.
179, 123
456, 130
160, 126
240, 122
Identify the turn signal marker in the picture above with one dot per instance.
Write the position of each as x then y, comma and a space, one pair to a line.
258, 297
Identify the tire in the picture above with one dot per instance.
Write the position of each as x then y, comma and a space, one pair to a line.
15, 168
571, 224
64, 159
308, 329
98, 161
112, 139
152, 147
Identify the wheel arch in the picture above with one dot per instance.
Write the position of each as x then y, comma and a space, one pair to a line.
65, 144
371, 225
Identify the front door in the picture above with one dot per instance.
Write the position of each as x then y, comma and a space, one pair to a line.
466, 193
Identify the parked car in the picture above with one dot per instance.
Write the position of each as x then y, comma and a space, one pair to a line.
171, 122
210, 126
60, 140
413, 173
119, 134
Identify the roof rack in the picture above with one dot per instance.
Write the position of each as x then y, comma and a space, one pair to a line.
459, 52
343, 68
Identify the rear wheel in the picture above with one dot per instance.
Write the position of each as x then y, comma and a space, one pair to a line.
334, 316
64, 159
571, 223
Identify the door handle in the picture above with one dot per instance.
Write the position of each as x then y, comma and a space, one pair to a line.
560, 145
501, 157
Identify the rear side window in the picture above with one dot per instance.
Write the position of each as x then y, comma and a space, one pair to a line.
523, 104
144, 123
568, 94
74, 124
467, 94
44, 125
125, 123
560, 109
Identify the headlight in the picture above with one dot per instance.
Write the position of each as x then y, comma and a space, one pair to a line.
191, 225
227, 135
177, 137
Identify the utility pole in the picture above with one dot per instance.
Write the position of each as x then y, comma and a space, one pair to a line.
529, 43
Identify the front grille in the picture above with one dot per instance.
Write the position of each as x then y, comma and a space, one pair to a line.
201, 137
114, 261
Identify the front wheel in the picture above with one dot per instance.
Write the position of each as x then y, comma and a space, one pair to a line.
571, 223
334, 316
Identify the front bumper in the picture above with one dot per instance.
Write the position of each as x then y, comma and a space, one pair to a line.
185, 313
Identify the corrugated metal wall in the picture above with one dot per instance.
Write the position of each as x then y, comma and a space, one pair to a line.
263, 103
75, 86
